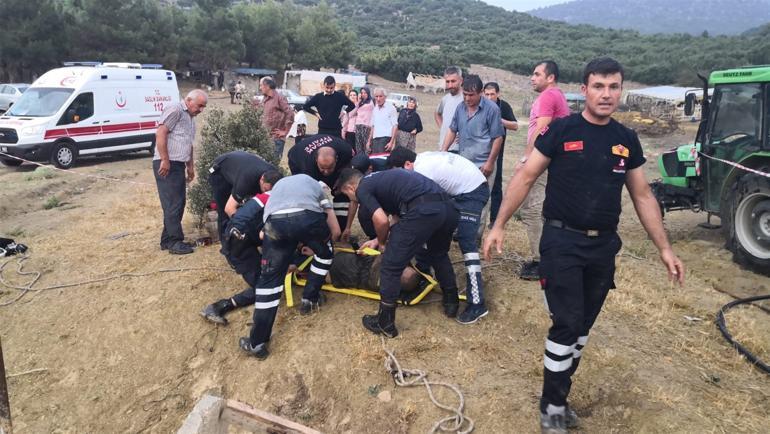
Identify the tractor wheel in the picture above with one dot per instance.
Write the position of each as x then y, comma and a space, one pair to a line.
747, 225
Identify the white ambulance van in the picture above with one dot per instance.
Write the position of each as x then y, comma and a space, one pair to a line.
84, 110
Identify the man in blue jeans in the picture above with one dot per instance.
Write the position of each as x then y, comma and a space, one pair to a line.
299, 211
462, 180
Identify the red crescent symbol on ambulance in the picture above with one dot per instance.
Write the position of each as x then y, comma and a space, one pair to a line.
120, 100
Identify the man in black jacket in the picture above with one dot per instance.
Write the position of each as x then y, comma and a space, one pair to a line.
236, 177
327, 106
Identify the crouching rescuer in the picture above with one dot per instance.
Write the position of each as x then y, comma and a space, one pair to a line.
299, 211
424, 215
589, 157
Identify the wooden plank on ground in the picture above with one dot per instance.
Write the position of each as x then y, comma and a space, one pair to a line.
258, 421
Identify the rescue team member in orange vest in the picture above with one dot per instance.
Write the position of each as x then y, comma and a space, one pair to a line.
589, 157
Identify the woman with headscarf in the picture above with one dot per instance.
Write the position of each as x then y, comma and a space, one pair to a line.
409, 124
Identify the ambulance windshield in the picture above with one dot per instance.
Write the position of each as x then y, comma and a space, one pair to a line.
40, 102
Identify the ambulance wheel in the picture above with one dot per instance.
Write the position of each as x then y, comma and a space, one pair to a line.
10, 162
63, 155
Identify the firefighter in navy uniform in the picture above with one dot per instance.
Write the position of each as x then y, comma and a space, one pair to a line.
323, 157
589, 157
236, 177
298, 211
241, 243
424, 215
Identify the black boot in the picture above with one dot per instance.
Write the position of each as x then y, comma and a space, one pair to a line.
384, 322
216, 311
450, 301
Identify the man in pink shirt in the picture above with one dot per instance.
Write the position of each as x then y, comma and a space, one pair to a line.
549, 105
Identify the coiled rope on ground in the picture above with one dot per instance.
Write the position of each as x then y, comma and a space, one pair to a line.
457, 422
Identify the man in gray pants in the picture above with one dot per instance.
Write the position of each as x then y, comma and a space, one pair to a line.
173, 157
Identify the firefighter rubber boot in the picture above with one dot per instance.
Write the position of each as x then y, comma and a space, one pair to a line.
450, 301
384, 322
216, 311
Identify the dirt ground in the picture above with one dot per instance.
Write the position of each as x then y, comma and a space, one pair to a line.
131, 354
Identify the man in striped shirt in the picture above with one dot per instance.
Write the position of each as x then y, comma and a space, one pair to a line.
173, 157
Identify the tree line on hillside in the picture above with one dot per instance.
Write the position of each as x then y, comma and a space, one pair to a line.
388, 38
419, 35
209, 34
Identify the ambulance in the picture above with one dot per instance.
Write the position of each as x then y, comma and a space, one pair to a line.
76, 111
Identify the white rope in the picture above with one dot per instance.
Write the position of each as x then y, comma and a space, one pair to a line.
28, 287
415, 377
87, 175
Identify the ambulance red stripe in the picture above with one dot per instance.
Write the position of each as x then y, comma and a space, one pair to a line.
104, 129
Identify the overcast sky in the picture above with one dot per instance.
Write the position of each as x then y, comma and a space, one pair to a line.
523, 5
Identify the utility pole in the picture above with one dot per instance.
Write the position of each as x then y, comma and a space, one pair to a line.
5, 407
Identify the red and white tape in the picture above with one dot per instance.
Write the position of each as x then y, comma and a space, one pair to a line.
734, 164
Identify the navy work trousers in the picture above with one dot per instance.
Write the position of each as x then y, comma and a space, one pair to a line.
222, 191
282, 234
576, 274
430, 224
470, 206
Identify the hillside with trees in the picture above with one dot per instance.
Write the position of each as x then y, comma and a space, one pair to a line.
397, 36
388, 38
211, 34
715, 17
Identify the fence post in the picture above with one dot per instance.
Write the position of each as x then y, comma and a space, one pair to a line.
5, 408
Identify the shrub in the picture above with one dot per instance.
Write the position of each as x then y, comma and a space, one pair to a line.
222, 133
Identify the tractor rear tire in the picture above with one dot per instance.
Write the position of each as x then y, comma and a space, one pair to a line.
746, 222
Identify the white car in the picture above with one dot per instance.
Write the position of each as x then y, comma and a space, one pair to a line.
10, 93
293, 98
398, 99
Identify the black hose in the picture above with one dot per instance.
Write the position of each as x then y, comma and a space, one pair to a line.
740, 348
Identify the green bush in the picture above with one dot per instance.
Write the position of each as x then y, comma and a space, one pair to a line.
222, 133
52, 202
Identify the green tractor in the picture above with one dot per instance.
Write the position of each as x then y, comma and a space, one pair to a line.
725, 172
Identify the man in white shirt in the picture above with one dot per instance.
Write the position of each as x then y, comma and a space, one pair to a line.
469, 189
382, 137
453, 81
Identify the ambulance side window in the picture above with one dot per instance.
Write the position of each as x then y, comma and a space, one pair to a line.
81, 108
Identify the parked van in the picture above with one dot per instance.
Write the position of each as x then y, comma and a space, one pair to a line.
83, 110
398, 99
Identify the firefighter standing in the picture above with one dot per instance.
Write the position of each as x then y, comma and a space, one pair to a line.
589, 157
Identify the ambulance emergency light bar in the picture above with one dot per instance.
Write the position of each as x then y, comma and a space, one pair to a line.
115, 64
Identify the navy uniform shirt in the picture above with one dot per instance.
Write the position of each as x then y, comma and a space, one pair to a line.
302, 157
393, 188
587, 170
242, 170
